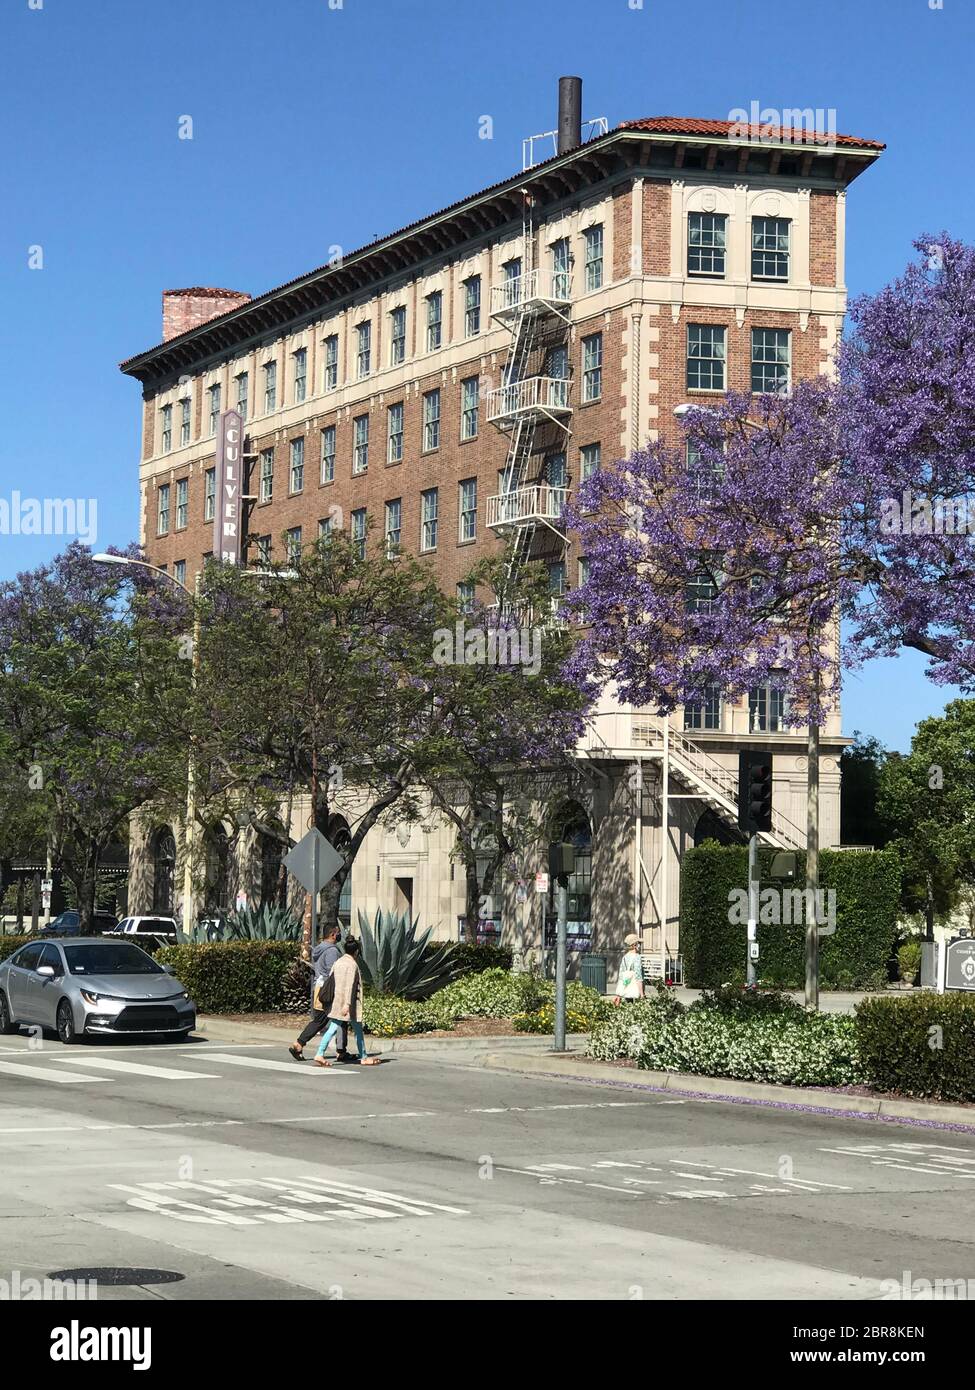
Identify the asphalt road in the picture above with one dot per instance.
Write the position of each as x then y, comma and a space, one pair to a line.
254, 1177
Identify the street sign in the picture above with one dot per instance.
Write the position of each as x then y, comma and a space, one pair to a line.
47, 886
960, 965
314, 862
541, 882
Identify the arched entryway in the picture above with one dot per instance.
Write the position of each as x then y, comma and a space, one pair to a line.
570, 824
163, 871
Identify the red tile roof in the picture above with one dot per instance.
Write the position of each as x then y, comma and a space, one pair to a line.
689, 125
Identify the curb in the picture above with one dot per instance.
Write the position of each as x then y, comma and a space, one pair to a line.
724, 1088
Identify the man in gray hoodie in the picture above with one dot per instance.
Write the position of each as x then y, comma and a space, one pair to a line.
323, 957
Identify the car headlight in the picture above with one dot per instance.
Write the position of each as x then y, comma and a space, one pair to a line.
88, 996
185, 994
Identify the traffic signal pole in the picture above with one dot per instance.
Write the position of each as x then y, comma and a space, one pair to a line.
751, 973
812, 867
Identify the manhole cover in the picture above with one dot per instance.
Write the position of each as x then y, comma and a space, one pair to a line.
110, 1275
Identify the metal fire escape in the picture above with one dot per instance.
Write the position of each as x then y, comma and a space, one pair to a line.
531, 406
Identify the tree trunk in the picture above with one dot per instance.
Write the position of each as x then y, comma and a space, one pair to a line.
472, 897
20, 906
35, 902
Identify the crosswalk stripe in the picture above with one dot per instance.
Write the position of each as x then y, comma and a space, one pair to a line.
266, 1064
137, 1069
42, 1073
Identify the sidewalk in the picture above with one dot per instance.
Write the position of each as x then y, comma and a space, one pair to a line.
216, 1029
838, 1001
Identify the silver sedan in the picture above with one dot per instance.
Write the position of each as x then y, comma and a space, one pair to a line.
92, 985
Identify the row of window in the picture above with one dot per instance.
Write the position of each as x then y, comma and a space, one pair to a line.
363, 345
768, 711
707, 246
707, 359
556, 473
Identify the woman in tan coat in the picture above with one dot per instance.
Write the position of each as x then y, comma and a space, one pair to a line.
346, 1005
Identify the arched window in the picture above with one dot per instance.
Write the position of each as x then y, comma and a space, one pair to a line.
216, 891
163, 870
274, 885
571, 825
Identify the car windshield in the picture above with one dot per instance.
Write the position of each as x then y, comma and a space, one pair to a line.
156, 924
115, 958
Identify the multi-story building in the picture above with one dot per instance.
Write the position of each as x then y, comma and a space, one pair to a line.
454, 382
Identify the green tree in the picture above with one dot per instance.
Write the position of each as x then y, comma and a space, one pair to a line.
927, 797
861, 767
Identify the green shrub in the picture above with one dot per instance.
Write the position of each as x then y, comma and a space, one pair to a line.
909, 958
818, 1050
233, 977
388, 1017
494, 993
473, 960
920, 1044
736, 1001
9, 944
855, 956
584, 1008
263, 924
543, 1021
628, 1028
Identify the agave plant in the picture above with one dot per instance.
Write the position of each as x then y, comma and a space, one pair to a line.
396, 958
263, 924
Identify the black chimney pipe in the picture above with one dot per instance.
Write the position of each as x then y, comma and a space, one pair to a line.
570, 113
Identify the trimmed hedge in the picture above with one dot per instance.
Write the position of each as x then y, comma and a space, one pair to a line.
471, 960
9, 944
922, 1045
855, 956
233, 977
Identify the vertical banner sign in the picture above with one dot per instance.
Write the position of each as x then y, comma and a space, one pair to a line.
229, 487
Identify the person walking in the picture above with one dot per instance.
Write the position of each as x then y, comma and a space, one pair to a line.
323, 958
629, 981
346, 1005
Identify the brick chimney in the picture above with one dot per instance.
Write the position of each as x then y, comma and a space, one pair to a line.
186, 309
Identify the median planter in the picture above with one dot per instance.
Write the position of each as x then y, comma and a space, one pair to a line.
922, 1044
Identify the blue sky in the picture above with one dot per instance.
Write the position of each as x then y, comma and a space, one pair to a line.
317, 123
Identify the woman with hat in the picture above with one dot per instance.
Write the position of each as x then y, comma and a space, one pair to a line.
629, 982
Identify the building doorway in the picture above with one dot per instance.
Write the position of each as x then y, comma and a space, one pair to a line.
404, 897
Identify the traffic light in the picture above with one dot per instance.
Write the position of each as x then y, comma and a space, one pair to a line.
754, 792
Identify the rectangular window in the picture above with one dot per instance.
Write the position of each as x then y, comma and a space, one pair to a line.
431, 420
767, 709
770, 248
429, 505
293, 538
702, 588
556, 578
705, 472
590, 458
179, 572
185, 408
270, 387
561, 263
363, 350
434, 320
467, 506
297, 464
394, 445
359, 532
706, 354
263, 552
214, 407
331, 378
328, 454
326, 527
592, 367
394, 525
182, 503
472, 306
167, 428
209, 493
594, 257
266, 487
771, 360
557, 470
301, 374
585, 570
360, 447
707, 240
465, 595
162, 521
470, 396
397, 336
707, 713
512, 282
243, 385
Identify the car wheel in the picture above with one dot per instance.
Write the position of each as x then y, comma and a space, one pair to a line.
66, 1029
7, 1024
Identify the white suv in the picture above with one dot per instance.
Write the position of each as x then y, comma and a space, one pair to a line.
162, 929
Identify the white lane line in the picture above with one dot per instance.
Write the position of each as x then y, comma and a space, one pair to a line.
139, 1069
266, 1064
41, 1073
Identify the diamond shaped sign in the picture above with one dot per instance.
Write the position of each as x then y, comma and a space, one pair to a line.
314, 862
